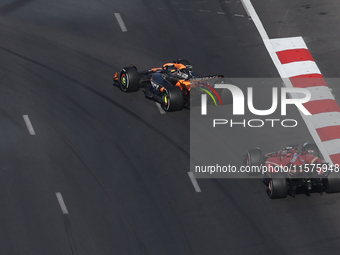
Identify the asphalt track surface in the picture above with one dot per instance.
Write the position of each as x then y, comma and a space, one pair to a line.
121, 166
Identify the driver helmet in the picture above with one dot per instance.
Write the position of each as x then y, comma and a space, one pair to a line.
177, 69
286, 153
183, 73
184, 62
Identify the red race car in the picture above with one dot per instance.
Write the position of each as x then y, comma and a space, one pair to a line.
293, 168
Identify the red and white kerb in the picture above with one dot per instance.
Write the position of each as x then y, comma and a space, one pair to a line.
302, 71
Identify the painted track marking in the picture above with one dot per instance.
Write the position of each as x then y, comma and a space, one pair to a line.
194, 182
161, 110
61, 203
120, 22
29, 125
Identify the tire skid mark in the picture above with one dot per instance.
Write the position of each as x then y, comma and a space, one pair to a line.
70, 99
103, 187
119, 148
123, 108
98, 180
92, 173
10, 7
126, 157
78, 155
10, 118
67, 223
250, 222
68, 228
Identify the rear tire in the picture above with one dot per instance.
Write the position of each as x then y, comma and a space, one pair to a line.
129, 79
277, 186
172, 99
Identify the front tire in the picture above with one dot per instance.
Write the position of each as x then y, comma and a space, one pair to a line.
172, 99
129, 79
254, 157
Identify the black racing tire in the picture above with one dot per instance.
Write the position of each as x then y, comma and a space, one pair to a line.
312, 148
172, 99
254, 157
129, 79
277, 186
332, 184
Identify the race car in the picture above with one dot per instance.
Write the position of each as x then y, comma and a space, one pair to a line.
171, 85
293, 168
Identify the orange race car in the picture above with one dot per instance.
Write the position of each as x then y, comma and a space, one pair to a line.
171, 85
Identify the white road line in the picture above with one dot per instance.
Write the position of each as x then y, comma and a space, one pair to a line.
161, 110
281, 44
332, 146
301, 67
194, 181
61, 203
325, 119
252, 13
320, 93
244, 6
28, 124
120, 22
